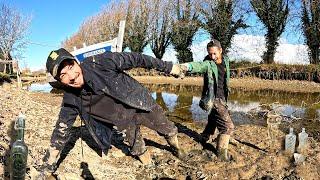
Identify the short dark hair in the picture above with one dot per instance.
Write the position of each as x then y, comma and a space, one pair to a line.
214, 43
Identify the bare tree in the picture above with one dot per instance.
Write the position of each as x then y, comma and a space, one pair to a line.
13, 31
184, 28
311, 28
90, 31
76, 40
273, 14
101, 27
137, 23
107, 23
219, 21
160, 27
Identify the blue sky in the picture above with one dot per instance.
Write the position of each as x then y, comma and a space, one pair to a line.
55, 20
52, 22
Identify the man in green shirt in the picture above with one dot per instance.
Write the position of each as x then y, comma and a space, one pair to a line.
216, 73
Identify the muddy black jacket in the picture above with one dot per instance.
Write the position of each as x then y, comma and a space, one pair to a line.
104, 75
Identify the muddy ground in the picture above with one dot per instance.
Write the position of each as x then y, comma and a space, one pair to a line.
253, 157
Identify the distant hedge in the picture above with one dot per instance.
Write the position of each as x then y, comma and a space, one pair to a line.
277, 71
263, 71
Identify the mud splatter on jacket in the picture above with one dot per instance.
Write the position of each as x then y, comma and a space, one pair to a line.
104, 75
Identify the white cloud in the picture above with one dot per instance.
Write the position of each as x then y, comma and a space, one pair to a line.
246, 47
292, 54
252, 47
170, 55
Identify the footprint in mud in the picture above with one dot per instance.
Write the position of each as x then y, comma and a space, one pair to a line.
197, 156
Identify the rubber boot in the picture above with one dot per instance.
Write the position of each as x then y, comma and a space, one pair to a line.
222, 147
173, 142
145, 158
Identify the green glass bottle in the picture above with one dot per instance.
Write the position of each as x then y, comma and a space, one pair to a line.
19, 152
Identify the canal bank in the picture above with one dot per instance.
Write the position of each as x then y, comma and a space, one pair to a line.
247, 83
253, 157
244, 83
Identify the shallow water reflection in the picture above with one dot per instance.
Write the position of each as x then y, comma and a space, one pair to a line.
39, 87
183, 100
181, 103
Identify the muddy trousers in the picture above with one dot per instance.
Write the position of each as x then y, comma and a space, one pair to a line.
155, 120
126, 119
219, 117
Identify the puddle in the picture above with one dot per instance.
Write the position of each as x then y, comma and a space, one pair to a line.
185, 99
181, 103
39, 87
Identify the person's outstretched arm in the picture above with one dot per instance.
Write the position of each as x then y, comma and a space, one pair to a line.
60, 134
129, 60
195, 67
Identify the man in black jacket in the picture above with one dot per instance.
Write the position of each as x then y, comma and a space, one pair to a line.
103, 95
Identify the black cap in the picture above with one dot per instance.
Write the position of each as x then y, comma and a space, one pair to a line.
55, 58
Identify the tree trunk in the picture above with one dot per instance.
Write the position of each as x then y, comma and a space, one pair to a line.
272, 44
159, 52
5, 69
314, 52
184, 55
10, 68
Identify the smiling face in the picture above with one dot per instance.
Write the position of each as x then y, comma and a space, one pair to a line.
70, 74
215, 53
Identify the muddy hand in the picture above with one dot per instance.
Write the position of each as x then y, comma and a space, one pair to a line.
177, 72
184, 68
182, 75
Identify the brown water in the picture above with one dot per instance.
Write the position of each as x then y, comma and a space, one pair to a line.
181, 104
296, 109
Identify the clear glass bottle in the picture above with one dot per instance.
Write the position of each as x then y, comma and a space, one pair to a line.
19, 152
273, 122
290, 141
303, 140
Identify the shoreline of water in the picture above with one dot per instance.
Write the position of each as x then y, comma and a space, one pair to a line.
244, 83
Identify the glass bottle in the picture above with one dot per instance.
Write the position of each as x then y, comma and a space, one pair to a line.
19, 152
273, 122
303, 140
290, 141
